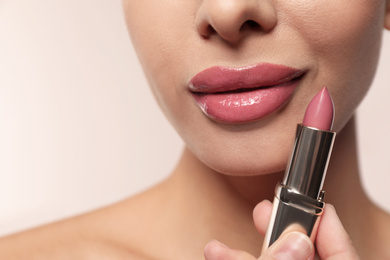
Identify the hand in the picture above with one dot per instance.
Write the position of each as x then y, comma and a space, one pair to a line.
332, 242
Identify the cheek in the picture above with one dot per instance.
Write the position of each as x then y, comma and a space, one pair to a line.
344, 38
159, 37
334, 23
163, 43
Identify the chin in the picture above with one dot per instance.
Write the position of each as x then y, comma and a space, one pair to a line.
239, 163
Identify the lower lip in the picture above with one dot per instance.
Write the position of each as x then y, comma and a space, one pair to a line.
246, 106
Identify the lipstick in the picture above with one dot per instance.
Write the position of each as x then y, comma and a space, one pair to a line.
245, 94
299, 198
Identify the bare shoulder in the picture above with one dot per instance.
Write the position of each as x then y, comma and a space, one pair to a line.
67, 239
88, 236
114, 232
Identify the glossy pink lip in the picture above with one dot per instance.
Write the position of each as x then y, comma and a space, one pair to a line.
240, 95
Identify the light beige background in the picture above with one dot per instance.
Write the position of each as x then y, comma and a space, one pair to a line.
79, 128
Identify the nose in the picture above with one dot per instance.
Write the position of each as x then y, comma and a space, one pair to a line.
233, 19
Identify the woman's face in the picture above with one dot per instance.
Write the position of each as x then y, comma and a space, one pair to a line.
327, 42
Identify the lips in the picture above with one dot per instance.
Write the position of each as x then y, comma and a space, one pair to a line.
246, 94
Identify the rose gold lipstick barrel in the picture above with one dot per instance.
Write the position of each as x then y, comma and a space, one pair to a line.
299, 198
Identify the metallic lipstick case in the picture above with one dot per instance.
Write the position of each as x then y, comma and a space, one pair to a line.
299, 198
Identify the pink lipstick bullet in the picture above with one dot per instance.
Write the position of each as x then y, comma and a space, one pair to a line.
320, 111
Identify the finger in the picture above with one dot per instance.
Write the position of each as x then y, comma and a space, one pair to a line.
214, 250
332, 240
261, 216
292, 246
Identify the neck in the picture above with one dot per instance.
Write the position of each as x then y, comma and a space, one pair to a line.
365, 223
343, 186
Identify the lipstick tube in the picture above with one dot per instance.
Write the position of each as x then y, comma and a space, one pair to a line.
299, 198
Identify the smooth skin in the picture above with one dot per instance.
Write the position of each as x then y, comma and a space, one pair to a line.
226, 170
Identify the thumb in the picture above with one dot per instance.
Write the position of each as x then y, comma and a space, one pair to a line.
290, 246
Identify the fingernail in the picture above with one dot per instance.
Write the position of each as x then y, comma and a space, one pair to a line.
294, 246
221, 244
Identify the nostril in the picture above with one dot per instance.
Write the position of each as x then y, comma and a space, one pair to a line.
227, 19
207, 31
210, 30
251, 25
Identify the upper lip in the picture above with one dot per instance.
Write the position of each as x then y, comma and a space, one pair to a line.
219, 79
